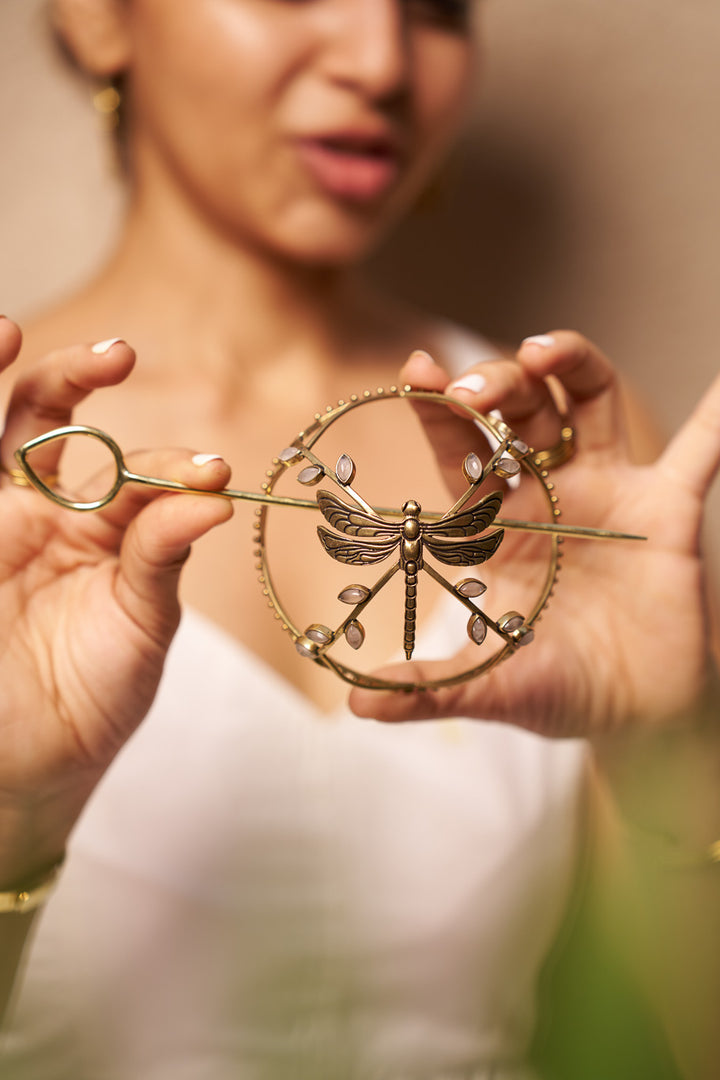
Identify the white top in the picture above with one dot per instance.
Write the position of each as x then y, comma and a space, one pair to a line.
259, 892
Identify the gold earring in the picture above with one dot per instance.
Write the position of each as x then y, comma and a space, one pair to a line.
107, 102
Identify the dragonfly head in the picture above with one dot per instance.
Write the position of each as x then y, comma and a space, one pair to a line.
411, 508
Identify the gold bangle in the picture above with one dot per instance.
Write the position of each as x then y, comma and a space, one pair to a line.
560, 452
695, 860
29, 897
669, 852
713, 852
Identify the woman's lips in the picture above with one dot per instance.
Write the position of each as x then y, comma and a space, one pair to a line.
355, 169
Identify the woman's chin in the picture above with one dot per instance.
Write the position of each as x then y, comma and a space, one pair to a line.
336, 252
334, 239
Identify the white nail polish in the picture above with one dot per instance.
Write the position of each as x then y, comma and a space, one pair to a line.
543, 340
474, 382
104, 346
204, 459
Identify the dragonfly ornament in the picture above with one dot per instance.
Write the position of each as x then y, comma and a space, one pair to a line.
362, 535
375, 540
468, 534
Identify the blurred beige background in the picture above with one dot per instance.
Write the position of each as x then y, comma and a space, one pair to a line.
585, 195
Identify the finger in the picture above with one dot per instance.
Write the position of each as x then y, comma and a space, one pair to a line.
153, 553
523, 400
587, 377
449, 433
692, 457
519, 691
208, 472
10, 341
422, 372
46, 394
449, 429
397, 706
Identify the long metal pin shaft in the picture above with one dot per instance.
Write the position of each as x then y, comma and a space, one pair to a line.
581, 532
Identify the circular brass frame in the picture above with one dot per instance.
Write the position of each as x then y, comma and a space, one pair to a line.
498, 431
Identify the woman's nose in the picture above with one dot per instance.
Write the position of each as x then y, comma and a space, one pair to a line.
367, 47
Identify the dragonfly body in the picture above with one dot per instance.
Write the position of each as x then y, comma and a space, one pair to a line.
411, 562
368, 538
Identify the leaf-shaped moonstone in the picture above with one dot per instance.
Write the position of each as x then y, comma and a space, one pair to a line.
318, 632
477, 629
345, 469
289, 455
510, 621
354, 594
507, 467
311, 475
470, 587
472, 468
354, 634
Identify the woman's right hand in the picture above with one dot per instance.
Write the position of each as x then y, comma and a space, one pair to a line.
88, 605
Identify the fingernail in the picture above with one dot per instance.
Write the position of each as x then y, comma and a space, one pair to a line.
543, 340
473, 383
423, 356
104, 346
204, 459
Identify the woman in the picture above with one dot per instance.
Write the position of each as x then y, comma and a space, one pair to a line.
250, 889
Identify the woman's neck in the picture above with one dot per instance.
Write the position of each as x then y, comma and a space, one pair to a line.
200, 284
201, 307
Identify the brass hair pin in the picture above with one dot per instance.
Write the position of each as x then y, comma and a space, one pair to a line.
467, 534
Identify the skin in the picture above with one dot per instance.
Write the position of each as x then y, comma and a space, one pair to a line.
267, 74
206, 247
198, 247
235, 280
593, 692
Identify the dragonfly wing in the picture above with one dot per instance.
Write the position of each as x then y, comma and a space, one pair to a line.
464, 552
356, 552
467, 522
353, 522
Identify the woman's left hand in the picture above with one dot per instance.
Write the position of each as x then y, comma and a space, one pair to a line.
625, 639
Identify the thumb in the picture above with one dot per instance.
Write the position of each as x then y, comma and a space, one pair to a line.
449, 430
424, 702
692, 457
153, 552
522, 690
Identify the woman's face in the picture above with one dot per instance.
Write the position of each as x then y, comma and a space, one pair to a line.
301, 126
